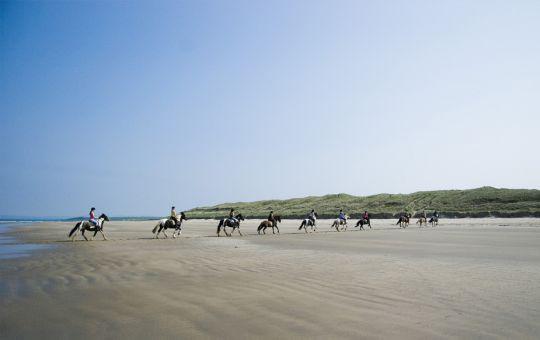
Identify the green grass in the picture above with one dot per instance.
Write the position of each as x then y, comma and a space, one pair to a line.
481, 202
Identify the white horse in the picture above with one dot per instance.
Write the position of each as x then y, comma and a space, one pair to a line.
339, 222
309, 222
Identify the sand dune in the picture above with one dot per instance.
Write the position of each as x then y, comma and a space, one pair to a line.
465, 279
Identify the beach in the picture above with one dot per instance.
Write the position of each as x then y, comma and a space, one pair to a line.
466, 278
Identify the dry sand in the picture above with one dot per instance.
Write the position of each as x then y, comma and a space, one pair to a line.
464, 279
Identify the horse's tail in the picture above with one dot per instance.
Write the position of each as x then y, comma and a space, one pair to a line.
302, 225
260, 226
156, 227
75, 228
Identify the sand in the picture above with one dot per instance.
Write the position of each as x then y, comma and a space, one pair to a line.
467, 278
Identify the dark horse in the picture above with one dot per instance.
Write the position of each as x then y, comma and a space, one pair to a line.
363, 222
89, 226
267, 224
403, 221
169, 223
308, 222
434, 221
227, 222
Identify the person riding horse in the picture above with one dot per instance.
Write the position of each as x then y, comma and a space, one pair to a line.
271, 217
365, 216
231, 216
92, 218
312, 216
173, 216
342, 216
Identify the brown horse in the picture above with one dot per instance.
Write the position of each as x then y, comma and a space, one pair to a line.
403, 221
269, 224
422, 220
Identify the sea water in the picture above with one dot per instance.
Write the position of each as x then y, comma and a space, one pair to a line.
10, 247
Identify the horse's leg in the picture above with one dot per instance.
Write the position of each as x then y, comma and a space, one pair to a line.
102, 234
240, 231
277, 229
164, 233
84, 235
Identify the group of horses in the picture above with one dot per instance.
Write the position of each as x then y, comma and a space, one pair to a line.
403, 221
234, 224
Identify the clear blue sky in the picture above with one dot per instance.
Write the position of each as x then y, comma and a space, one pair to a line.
134, 106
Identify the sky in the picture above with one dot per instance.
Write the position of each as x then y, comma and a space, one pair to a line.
132, 107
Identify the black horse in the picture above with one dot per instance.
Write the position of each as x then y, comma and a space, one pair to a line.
434, 221
363, 222
89, 226
227, 222
169, 223
268, 224
308, 222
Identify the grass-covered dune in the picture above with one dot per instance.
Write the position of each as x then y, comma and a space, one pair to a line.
481, 202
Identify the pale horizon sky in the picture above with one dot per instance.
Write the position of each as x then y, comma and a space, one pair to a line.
132, 107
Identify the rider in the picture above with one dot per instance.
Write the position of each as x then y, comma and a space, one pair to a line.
423, 215
271, 216
365, 216
93, 217
342, 215
231, 216
173, 215
436, 214
312, 215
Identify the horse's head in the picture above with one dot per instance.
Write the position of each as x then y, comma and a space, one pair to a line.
239, 217
316, 215
183, 216
277, 218
104, 217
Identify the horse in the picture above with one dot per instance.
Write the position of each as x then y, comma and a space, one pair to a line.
434, 221
87, 225
338, 221
403, 221
361, 223
227, 222
169, 223
422, 220
268, 224
308, 222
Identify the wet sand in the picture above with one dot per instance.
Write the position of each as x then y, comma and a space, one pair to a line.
467, 278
